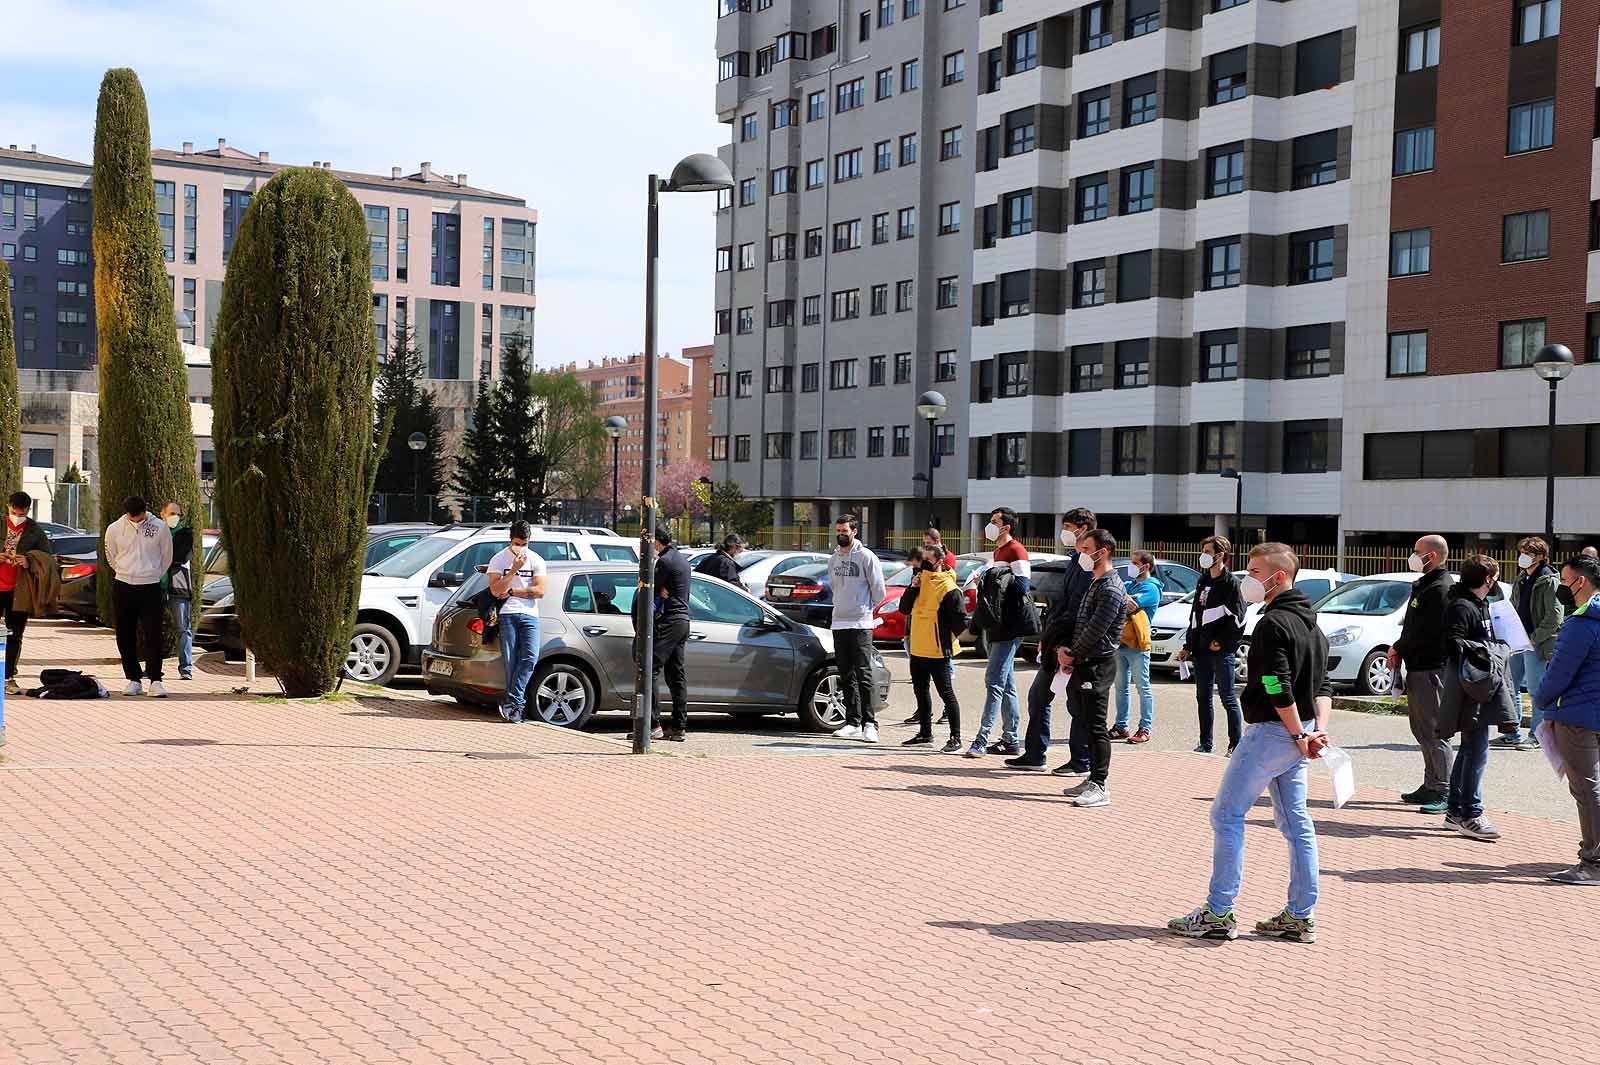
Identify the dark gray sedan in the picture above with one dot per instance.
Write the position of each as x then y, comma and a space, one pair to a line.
743, 657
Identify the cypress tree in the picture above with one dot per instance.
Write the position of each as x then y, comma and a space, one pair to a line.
294, 370
146, 439
478, 465
10, 396
520, 469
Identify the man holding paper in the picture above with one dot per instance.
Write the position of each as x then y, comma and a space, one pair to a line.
1570, 699
1538, 607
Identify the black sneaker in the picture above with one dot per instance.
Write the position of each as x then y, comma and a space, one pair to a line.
1005, 748
919, 740
953, 746
1025, 763
1422, 796
676, 735
1071, 769
912, 720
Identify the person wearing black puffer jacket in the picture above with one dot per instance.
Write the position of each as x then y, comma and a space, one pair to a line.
1211, 645
1469, 636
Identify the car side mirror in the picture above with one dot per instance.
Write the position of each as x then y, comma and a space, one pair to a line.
444, 579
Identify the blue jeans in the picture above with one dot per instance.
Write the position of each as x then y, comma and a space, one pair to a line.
519, 649
1214, 667
180, 620
1267, 760
1000, 676
1527, 671
1466, 776
1133, 667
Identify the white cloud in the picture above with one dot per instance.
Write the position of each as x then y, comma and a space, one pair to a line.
568, 105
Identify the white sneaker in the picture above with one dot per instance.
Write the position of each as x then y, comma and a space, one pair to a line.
133, 688
157, 689
1094, 795
869, 734
849, 732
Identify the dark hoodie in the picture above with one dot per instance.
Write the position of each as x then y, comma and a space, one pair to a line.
1288, 660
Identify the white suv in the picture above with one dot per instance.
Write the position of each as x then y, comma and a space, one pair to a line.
401, 595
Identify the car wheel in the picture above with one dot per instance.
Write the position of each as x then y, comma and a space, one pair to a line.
1375, 677
561, 693
1241, 665
822, 706
374, 656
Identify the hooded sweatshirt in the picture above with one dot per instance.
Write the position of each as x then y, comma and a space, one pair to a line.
857, 581
930, 613
139, 553
1288, 660
1570, 692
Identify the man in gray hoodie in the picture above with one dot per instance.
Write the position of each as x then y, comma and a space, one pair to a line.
857, 581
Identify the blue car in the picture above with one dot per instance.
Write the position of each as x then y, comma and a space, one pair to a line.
805, 594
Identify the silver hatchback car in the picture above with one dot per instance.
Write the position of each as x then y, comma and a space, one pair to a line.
743, 657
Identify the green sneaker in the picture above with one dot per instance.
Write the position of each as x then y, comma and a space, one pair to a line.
1203, 924
1287, 926
1437, 806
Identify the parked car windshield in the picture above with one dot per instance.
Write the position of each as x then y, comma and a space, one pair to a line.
1366, 598
615, 552
412, 560
74, 545
750, 558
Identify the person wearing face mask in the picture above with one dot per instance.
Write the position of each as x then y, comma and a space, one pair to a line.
1421, 647
1133, 663
1537, 597
139, 550
935, 619
1569, 697
1003, 600
933, 544
21, 573
857, 580
1055, 631
1091, 655
1286, 706
180, 584
1216, 622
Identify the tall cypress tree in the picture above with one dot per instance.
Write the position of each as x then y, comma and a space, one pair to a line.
520, 472
294, 370
10, 397
478, 465
146, 439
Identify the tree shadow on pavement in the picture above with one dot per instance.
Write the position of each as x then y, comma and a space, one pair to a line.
1452, 873
940, 791
1075, 932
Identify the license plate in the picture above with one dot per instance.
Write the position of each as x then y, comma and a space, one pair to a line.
780, 591
442, 668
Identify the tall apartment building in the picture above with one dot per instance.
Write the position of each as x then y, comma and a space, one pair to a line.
844, 254
617, 385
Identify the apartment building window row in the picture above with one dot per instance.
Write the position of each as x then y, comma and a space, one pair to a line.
1514, 451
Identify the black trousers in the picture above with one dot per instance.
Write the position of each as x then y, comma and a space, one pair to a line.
853, 650
671, 641
139, 608
1088, 700
937, 672
16, 624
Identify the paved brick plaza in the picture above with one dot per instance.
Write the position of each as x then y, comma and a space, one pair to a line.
215, 879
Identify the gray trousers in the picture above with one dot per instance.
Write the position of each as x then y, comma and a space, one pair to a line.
1580, 750
1423, 688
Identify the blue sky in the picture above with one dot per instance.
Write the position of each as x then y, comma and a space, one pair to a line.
569, 105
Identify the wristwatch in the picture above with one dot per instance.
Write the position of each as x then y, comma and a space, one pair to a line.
1302, 736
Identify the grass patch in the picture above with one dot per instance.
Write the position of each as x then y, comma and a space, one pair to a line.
1389, 706
330, 697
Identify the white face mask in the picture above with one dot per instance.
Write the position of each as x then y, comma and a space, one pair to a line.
1252, 590
1415, 563
1133, 570
991, 531
1069, 539
1085, 562
1207, 561
173, 519
1524, 561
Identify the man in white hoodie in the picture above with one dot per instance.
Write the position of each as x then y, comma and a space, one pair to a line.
139, 551
857, 581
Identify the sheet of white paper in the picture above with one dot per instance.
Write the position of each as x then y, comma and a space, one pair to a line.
1341, 773
1546, 734
1508, 626
1216, 613
1184, 669
1059, 683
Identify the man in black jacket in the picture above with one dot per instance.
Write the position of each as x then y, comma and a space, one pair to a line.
1421, 647
1092, 659
180, 584
22, 536
1056, 631
722, 563
1216, 621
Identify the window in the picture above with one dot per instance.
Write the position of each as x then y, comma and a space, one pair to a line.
1305, 447
1133, 276
747, 192
1407, 456
1531, 127
1013, 374
747, 127
1316, 63
1225, 165
1419, 48
1526, 236
1413, 150
849, 95
816, 106
842, 373
166, 210
785, 113
955, 68
1219, 447
1089, 283
910, 76
1408, 354
1310, 351
906, 223
780, 379
944, 439
880, 228
1096, 26
885, 13
1537, 19
777, 445
1223, 5
902, 441
811, 310
1144, 16
847, 165
903, 294
816, 173
1088, 368
724, 199
1022, 51
724, 323
747, 256
949, 292
1219, 359
733, 65
742, 384
879, 300
1228, 76
1520, 342
908, 149
1139, 100
724, 259
1083, 453
1130, 452
882, 156
1222, 263
780, 247
1011, 455
191, 197
746, 320
949, 218
1133, 363
902, 368
1094, 198
766, 58
1311, 256
847, 235
808, 444
841, 443
780, 314
883, 83
1523, 451
1020, 132
847, 304
1139, 189
813, 243
877, 371
810, 377
950, 143
911, 8
1094, 112
741, 448
1408, 251
1016, 297
944, 366
1016, 209
875, 442
1316, 160
782, 179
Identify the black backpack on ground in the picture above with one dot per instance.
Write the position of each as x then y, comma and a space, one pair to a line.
67, 684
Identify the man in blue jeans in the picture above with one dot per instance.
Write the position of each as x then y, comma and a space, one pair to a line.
1003, 595
517, 575
1286, 707
1133, 663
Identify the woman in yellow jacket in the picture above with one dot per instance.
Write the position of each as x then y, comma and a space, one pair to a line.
934, 621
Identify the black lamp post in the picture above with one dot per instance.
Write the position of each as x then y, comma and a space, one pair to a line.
931, 407
1237, 478
695, 173
418, 443
1553, 363
614, 428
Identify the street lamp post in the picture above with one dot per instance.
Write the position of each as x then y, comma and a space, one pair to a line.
694, 173
614, 427
1237, 477
931, 407
1553, 363
418, 443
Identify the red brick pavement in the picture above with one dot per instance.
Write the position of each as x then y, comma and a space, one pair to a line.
383, 905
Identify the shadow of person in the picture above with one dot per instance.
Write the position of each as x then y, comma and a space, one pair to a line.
942, 791
1451, 873
1057, 931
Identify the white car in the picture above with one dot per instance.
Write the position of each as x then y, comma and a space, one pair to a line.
755, 567
1170, 626
401, 595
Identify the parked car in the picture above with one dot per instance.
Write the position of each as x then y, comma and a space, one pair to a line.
217, 626
892, 627
1049, 578
742, 658
805, 593
54, 529
757, 567
76, 555
969, 597
1170, 626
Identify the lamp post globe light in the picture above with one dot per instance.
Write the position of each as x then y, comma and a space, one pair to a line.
694, 173
614, 429
418, 443
1553, 363
931, 406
